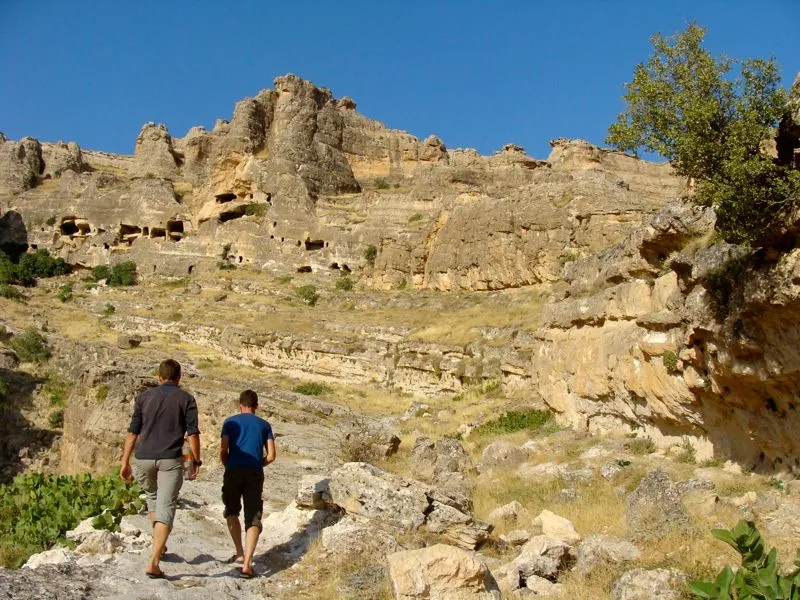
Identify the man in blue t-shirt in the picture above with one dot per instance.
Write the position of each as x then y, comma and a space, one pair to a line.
244, 439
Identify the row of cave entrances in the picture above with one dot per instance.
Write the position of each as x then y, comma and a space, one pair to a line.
73, 227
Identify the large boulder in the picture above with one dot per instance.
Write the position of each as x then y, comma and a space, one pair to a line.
654, 584
21, 164
654, 508
598, 549
440, 572
501, 453
60, 157
445, 464
369, 493
552, 525
154, 155
541, 556
348, 537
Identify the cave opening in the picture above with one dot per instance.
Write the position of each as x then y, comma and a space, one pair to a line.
314, 244
225, 197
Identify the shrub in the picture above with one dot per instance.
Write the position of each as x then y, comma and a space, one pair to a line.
345, 284
102, 393
122, 274
516, 421
10, 293
757, 578
308, 294
644, 445
31, 266
56, 419
65, 292
30, 346
109, 309
311, 389
382, 184
56, 390
224, 265
370, 254
37, 509
255, 209
359, 442
687, 452
670, 360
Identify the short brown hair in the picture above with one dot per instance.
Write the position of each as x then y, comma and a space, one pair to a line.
248, 398
169, 370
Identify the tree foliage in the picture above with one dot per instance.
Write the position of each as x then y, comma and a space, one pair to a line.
710, 116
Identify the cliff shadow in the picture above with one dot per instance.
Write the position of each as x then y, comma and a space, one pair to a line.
19, 437
13, 235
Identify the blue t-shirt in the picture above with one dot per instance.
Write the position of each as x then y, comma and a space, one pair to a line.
247, 435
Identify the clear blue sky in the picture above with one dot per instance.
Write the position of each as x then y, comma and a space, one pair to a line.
477, 74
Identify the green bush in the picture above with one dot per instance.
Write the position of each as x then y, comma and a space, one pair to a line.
311, 389
224, 265
711, 122
37, 509
122, 274
10, 293
516, 421
31, 266
30, 346
687, 452
758, 578
370, 254
56, 419
109, 309
102, 393
56, 390
65, 292
382, 184
670, 360
255, 209
308, 294
345, 284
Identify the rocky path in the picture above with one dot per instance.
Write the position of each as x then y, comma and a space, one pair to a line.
196, 563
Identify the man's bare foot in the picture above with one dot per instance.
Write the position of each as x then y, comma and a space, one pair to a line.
155, 574
239, 559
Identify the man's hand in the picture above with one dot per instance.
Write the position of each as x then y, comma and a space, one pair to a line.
125, 472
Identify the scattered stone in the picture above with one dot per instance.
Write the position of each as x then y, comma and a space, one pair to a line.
83, 530
567, 495
8, 359
548, 469
219, 297
501, 453
516, 537
792, 487
654, 508
100, 542
128, 341
313, 492
684, 487
655, 584
351, 538
440, 571
542, 556
610, 470
597, 549
555, 526
55, 556
510, 513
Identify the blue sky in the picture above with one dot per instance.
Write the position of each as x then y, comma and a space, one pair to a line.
477, 74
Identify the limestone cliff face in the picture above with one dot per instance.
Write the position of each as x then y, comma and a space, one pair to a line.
298, 179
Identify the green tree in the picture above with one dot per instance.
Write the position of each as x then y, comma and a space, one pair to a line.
710, 116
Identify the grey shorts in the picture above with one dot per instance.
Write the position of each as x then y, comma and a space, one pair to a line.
161, 480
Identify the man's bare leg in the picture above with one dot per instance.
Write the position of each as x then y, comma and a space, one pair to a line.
235, 529
160, 535
251, 539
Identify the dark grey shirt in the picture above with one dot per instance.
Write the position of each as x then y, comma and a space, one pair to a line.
161, 418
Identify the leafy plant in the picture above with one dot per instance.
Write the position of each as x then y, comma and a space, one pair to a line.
65, 292
225, 265
10, 293
56, 390
382, 184
758, 578
37, 509
30, 346
345, 284
685, 104
311, 388
670, 360
102, 393
370, 254
109, 309
255, 209
56, 418
30, 267
687, 452
308, 294
516, 421
122, 274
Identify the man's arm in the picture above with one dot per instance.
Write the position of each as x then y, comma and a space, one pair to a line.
271, 452
125, 464
194, 445
224, 446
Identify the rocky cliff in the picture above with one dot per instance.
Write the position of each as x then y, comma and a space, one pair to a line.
629, 315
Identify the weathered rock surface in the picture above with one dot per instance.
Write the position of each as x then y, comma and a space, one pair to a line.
366, 492
541, 556
598, 549
654, 508
655, 584
440, 572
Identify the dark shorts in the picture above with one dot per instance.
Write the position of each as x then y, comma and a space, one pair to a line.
241, 485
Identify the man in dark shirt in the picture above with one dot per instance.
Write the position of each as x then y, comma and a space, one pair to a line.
244, 439
162, 416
